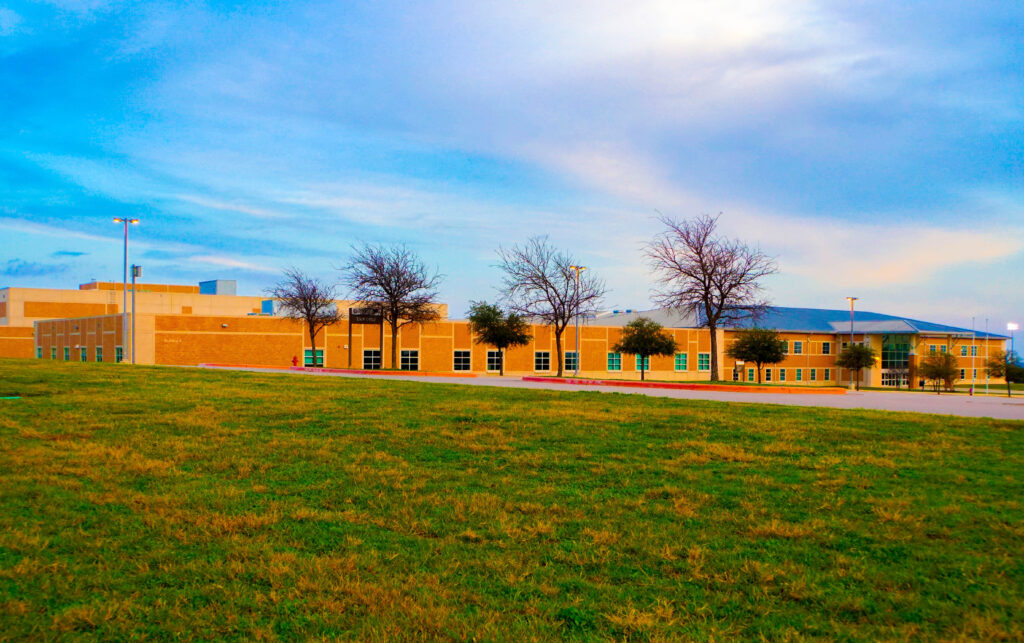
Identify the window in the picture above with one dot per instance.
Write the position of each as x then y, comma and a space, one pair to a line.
647, 363
799, 375
798, 348
735, 374
307, 357
371, 360
494, 360
896, 352
410, 360
942, 349
931, 348
53, 352
785, 347
461, 361
828, 375
99, 353
542, 360
826, 348
703, 361
67, 354
680, 361
767, 374
894, 379
963, 372
782, 375
570, 360
614, 361
118, 354
974, 373
83, 353
814, 375
963, 351
974, 351
750, 375
39, 352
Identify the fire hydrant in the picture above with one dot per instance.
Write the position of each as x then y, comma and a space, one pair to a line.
295, 360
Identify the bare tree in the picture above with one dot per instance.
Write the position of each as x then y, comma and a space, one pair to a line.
309, 300
394, 279
541, 282
701, 272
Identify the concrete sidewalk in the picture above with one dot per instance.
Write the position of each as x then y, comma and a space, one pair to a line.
1001, 408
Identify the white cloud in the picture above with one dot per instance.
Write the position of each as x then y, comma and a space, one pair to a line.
229, 262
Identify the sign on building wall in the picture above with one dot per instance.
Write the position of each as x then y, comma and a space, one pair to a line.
365, 315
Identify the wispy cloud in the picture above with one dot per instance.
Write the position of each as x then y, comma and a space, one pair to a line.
21, 268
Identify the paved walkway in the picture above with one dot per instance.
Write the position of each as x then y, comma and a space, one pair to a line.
993, 406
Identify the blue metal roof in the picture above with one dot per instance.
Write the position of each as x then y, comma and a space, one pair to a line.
823, 320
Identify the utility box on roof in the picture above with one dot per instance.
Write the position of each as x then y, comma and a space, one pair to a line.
218, 287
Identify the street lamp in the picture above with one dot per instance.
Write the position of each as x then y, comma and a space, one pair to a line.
579, 353
851, 300
124, 306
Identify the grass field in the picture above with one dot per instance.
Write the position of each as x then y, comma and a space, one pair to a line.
159, 502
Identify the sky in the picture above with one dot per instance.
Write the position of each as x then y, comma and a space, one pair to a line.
875, 149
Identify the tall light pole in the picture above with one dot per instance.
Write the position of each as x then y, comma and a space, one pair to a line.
851, 300
124, 306
579, 353
1012, 326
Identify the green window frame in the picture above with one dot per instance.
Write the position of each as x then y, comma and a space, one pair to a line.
53, 352
680, 361
814, 375
647, 363
942, 349
767, 374
782, 375
614, 361
828, 375
703, 361
83, 353
750, 375
826, 348
799, 375
39, 352
785, 347
931, 348
307, 357
798, 348
99, 353
974, 351
963, 351
118, 354
570, 360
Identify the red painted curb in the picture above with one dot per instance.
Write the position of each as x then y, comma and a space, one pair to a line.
354, 371
785, 390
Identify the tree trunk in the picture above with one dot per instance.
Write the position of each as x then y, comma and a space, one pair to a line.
312, 343
642, 369
712, 327
758, 372
394, 346
558, 349
1008, 385
501, 364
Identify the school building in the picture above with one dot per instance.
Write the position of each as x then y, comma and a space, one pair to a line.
210, 323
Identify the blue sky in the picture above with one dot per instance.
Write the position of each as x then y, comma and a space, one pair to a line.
876, 150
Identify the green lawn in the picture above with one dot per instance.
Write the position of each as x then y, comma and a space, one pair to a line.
160, 502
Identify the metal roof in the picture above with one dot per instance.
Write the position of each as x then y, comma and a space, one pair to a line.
782, 318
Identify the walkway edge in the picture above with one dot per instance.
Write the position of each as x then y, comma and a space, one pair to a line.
785, 390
